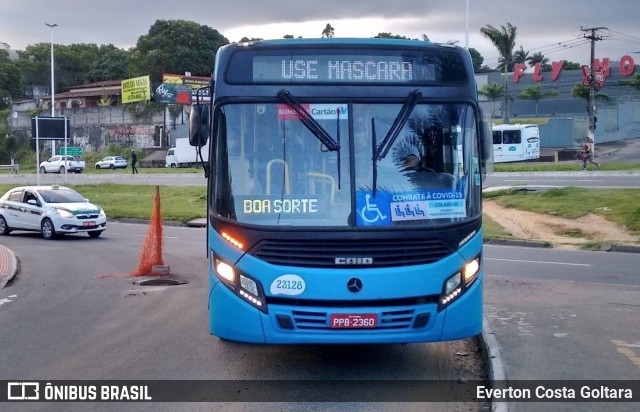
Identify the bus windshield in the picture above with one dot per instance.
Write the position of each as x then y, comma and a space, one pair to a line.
272, 169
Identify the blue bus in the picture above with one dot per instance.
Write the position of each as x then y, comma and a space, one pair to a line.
344, 192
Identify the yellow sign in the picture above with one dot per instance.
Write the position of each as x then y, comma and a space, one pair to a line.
172, 78
137, 89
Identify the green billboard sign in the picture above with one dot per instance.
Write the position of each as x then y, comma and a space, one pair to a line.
71, 151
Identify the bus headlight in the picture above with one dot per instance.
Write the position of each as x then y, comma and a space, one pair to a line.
470, 271
250, 291
457, 284
242, 285
224, 271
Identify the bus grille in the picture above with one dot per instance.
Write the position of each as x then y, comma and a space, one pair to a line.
323, 253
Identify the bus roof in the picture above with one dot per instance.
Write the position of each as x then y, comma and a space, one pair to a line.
357, 41
517, 126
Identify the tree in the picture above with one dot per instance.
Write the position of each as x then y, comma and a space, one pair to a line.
504, 40
521, 56
390, 36
536, 94
74, 64
493, 92
582, 91
328, 31
634, 82
175, 46
35, 63
539, 58
571, 66
111, 64
477, 60
10, 84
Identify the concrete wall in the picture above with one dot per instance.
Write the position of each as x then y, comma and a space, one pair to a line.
96, 128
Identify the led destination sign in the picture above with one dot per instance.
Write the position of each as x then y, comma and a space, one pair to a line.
346, 66
326, 69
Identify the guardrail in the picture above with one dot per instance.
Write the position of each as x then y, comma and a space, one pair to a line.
13, 166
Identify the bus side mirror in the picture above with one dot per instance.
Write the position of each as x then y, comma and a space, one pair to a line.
198, 124
486, 141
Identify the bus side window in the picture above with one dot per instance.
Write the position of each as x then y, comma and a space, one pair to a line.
512, 137
497, 137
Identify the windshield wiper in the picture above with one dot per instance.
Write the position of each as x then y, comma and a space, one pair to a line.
305, 117
398, 124
379, 152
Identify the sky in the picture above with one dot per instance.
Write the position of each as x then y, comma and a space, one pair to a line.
554, 28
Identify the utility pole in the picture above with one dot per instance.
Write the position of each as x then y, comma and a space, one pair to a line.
591, 35
53, 88
505, 108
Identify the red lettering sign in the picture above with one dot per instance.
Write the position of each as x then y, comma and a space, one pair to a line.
537, 77
518, 71
556, 68
601, 70
604, 66
626, 66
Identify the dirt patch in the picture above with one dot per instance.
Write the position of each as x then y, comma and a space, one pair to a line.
560, 232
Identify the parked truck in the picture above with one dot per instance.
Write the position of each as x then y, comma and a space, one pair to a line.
184, 155
60, 164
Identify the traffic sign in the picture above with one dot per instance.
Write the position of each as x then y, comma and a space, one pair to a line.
71, 151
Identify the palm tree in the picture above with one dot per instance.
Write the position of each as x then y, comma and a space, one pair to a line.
536, 94
493, 92
505, 41
539, 58
521, 56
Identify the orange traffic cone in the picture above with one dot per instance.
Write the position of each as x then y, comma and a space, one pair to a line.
151, 262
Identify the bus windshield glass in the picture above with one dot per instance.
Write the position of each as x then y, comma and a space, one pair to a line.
272, 170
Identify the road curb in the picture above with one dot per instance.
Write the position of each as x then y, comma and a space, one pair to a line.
494, 362
517, 242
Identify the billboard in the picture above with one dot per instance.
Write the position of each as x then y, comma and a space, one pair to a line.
136, 89
172, 93
193, 82
51, 128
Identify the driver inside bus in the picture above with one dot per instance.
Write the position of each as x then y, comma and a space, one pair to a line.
410, 162
423, 177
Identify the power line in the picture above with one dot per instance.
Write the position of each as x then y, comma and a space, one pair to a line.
547, 49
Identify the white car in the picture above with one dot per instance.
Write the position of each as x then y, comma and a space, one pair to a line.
60, 164
112, 162
51, 210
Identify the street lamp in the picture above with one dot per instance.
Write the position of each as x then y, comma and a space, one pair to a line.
53, 91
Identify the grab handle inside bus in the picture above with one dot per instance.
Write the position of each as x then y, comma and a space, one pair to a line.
287, 187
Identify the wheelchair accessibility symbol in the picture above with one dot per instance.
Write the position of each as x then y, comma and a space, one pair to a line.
370, 212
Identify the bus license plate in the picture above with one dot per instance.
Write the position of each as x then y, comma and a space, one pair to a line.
353, 320
89, 224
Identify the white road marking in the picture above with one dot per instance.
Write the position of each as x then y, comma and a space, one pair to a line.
7, 300
538, 261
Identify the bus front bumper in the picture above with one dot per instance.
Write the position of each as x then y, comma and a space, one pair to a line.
233, 319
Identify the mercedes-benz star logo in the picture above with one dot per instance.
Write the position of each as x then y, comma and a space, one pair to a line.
354, 285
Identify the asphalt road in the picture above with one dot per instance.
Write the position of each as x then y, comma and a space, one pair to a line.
74, 312
571, 316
